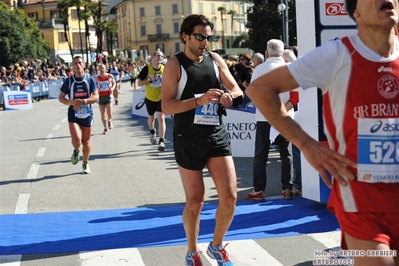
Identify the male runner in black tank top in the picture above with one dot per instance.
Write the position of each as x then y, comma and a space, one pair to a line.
192, 91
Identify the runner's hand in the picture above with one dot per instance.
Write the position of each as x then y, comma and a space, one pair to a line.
324, 160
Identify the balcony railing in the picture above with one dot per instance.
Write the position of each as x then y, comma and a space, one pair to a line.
50, 23
158, 37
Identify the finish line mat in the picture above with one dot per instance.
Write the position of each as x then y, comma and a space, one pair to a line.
57, 232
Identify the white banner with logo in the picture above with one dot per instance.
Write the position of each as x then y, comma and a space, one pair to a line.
17, 100
241, 127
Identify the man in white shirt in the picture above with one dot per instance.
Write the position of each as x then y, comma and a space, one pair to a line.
264, 132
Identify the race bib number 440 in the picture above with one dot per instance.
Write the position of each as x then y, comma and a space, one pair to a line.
206, 114
378, 150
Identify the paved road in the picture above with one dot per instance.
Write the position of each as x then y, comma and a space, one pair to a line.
127, 171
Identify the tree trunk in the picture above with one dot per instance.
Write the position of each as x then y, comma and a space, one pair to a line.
66, 34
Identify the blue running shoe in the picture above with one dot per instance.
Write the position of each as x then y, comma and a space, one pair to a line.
194, 259
219, 254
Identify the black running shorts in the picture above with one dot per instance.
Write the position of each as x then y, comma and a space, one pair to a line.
193, 152
153, 107
104, 100
85, 122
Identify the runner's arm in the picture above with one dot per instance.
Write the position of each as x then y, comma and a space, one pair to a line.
264, 92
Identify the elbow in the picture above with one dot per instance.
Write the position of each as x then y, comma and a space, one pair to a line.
165, 109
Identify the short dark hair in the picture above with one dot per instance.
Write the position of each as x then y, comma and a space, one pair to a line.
350, 6
78, 57
190, 22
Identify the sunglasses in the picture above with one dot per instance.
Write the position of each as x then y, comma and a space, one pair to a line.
201, 37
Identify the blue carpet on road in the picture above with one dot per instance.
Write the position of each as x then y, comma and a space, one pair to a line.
154, 226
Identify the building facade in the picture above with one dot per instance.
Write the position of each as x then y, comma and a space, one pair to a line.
148, 25
47, 17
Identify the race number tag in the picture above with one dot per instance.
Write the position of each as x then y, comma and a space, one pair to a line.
83, 112
104, 85
157, 83
206, 114
378, 150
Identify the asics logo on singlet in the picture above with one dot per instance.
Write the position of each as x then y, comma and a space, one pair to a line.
394, 127
384, 69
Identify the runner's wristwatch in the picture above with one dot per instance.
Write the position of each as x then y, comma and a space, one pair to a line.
83, 101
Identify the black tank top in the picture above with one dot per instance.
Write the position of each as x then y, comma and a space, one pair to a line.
200, 78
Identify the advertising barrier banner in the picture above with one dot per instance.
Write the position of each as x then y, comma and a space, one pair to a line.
17, 100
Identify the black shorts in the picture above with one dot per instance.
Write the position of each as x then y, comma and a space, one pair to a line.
85, 122
153, 107
104, 100
193, 152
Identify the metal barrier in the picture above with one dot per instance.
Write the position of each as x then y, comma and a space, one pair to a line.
37, 89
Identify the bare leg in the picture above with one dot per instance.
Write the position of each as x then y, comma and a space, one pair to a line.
358, 244
161, 125
76, 135
224, 176
102, 112
194, 189
108, 107
151, 122
86, 134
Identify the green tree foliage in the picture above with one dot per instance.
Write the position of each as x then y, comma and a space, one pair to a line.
20, 37
265, 23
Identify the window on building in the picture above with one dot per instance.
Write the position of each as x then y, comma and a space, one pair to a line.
143, 30
159, 29
61, 37
142, 12
33, 15
176, 27
174, 9
201, 8
213, 9
157, 10
54, 14
224, 25
177, 47
144, 48
241, 9
76, 41
160, 47
74, 14
242, 25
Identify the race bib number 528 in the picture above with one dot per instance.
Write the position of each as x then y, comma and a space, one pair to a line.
378, 150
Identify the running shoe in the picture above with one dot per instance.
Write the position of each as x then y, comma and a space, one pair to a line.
260, 195
153, 138
161, 146
75, 157
105, 131
287, 194
219, 254
110, 126
194, 259
296, 192
86, 168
